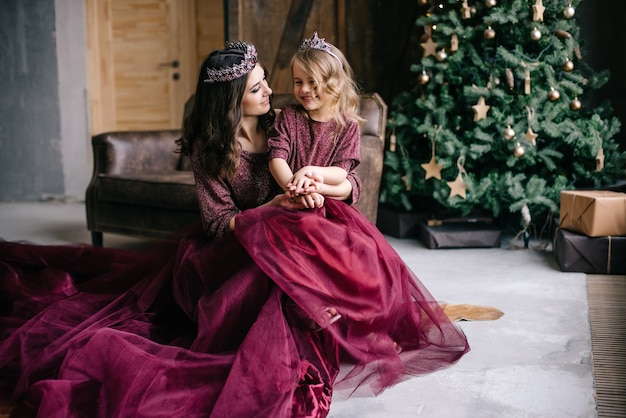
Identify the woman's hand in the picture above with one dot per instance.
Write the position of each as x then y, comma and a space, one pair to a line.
285, 200
308, 201
311, 200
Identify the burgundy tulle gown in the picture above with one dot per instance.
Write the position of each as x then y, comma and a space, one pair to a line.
216, 328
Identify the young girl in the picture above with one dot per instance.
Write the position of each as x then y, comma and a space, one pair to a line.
332, 261
316, 142
318, 139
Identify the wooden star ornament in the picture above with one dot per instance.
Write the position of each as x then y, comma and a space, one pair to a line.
531, 136
600, 160
466, 12
458, 187
480, 109
432, 169
429, 47
538, 10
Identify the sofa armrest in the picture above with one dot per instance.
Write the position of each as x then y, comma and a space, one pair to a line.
374, 110
132, 152
128, 153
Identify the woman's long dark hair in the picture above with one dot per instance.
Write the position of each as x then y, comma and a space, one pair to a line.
212, 125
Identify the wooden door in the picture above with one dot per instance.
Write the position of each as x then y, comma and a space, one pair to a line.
142, 63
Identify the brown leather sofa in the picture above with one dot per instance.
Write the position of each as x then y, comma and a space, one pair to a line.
141, 186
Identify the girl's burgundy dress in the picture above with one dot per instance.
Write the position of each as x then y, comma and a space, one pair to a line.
201, 327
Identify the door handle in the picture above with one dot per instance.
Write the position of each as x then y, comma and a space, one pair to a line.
173, 64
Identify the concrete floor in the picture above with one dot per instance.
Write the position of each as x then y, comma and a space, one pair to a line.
535, 361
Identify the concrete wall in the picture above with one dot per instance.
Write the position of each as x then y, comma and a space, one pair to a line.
73, 98
43, 112
44, 141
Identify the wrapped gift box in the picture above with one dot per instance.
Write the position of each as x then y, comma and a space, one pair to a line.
581, 253
459, 234
398, 224
596, 213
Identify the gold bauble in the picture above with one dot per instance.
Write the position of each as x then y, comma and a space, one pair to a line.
491, 3
568, 65
519, 150
554, 94
535, 34
441, 55
508, 133
422, 2
569, 12
423, 78
489, 33
575, 104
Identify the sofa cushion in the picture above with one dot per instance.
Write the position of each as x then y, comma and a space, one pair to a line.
174, 190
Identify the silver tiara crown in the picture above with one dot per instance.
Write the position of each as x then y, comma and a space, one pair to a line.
316, 42
250, 59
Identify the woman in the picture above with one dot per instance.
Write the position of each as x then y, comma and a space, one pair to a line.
199, 329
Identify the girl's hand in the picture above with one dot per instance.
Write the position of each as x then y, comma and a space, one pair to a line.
305, 182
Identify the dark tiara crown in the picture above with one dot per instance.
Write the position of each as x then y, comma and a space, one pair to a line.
250, 59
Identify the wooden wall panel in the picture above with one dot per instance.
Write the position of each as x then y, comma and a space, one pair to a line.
375, 36
381, 39
278, 27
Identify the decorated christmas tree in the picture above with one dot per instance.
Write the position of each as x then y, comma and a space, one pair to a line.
497, 122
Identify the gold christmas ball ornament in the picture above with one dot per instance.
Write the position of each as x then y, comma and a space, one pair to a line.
489, 33
441, 55
519, 150
568, 65
423, 78
575, 104
535, 34
569, 12
491, 3
554, 94
508, 133
422, 2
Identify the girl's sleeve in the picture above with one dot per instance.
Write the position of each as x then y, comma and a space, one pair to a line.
355, 181
278, 142
348, 155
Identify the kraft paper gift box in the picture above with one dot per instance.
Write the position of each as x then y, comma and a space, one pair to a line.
596, 213
459, 234
596, 255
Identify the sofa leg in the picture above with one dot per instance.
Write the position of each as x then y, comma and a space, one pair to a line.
96, 238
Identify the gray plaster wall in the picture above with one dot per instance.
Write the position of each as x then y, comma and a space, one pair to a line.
73, 98
44, 145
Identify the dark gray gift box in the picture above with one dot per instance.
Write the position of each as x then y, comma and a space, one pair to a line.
397, 223
459, 234
597, 255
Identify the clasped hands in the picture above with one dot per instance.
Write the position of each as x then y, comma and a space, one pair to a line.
304, 188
